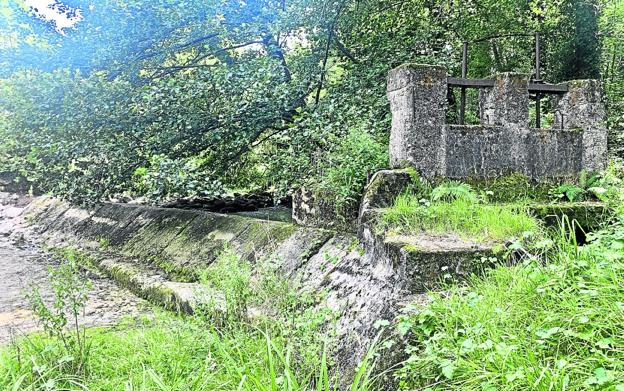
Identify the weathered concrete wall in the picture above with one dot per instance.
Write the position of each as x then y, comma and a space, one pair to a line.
583, 108
188, 240
418, 103
142, 244
419, 261
504, 142
482, 151
311, 211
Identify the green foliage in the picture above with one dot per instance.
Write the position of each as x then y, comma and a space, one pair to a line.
341, 172
605, 186
610, 189
611, 25
250, 93
477, 221
175, 178
569, 191
65, 137
305, 326
231, 276
525, 327
67, 349
453, 190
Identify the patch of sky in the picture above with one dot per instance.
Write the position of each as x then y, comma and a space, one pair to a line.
56, 12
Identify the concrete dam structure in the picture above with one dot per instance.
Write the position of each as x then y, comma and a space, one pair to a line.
503, 143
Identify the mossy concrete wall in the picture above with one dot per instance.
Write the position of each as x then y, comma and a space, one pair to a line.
504, 141
358, 289
186, 241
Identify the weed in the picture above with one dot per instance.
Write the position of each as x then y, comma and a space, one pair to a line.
231, 275
63, 356
104, 243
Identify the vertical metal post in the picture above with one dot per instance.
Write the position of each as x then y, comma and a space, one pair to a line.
538, 79
538, 76
464, 72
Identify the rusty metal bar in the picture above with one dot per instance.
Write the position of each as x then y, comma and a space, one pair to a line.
469, 83
464, 73
538, 76
538, 80
489, 83
548, 88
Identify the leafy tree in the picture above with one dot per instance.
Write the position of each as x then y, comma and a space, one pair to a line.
254, 93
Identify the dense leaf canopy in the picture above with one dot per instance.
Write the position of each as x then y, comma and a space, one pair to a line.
170, 98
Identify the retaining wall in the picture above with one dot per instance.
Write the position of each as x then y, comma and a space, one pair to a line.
358, 288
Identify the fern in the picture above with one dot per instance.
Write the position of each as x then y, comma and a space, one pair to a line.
569, 191
453, 190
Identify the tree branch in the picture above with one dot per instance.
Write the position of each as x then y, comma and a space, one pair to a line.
275, 51
341, 47
330, 34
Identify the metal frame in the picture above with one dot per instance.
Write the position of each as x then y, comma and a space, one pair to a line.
536, 86
489, 83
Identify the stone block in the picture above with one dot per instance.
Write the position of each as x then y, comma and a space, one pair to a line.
313, 211
507, 103
583, 108
417, 95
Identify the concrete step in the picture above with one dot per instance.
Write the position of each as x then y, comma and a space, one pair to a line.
152, 284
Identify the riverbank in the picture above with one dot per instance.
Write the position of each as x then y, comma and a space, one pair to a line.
24, 264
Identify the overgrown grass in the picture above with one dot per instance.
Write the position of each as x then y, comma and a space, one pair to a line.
170, 353
464, 217
285, 347
526, 327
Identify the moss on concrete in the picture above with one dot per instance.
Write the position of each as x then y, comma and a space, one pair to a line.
589, 215
431, 261
159, 253
163, 226
510, 187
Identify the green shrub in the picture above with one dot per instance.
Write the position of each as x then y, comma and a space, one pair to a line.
342, 172
65, 352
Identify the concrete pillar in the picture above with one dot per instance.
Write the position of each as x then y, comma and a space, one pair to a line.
582, 109
418, 101
507, 103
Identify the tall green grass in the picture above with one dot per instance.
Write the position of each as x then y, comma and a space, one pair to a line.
171, 353
217, 348
461, 216
558, 326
